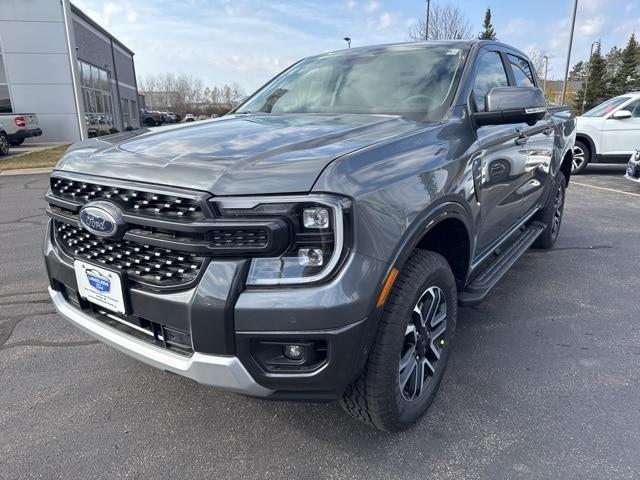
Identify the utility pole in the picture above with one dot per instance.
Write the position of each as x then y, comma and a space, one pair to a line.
586, 80
566, 69
426, 27
546, 69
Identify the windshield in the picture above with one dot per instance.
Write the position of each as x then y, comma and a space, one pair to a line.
392, 80
606, 107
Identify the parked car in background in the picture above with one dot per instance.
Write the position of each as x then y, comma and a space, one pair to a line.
608, 133
4, 142
150, 119
189, 117
315, 244
20, 126
633, 167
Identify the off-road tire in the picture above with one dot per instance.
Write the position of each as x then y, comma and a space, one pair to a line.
549, 216
375, 397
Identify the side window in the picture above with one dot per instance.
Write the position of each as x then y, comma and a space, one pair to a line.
490, 74
521, 71
634, 108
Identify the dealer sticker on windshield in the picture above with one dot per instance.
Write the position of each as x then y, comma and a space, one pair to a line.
100, 286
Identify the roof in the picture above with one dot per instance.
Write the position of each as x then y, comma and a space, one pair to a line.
76, 11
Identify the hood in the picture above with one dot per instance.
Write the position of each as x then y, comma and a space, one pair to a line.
235, 155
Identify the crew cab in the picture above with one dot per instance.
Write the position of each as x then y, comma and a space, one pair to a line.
608, 133
315, 243
20, 126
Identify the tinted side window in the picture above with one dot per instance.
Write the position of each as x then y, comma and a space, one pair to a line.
522, 71
490, 74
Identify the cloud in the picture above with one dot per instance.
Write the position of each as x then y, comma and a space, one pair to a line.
385, 20
372, 6
514, 26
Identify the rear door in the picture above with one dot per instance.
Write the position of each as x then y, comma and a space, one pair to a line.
622, 136
504, 163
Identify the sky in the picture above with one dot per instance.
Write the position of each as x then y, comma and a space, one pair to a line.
249, 41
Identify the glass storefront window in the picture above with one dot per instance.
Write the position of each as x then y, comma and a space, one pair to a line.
96, 96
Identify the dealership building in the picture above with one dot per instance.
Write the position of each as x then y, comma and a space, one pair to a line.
59, 64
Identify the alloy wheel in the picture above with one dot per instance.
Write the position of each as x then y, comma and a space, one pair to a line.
578, 159
558, 208
424, 340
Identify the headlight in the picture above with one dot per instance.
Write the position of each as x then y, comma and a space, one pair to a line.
318, 228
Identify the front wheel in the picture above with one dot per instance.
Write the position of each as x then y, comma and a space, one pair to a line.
581, 157
411, 349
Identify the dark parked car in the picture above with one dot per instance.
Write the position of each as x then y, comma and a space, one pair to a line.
150, 119
315, 244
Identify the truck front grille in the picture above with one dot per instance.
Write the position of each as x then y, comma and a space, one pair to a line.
131, 200
142, 263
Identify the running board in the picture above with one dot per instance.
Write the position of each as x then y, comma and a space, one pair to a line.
475, 292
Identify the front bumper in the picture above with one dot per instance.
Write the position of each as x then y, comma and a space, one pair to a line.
633, 170
224, 372
225, 321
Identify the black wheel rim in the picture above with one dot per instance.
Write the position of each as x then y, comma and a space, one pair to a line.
558, 208
578, 159
424, 341
4, 145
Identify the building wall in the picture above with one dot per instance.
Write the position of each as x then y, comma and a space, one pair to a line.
93, 47
36, 55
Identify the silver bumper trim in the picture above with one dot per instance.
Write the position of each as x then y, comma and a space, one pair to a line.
227, 373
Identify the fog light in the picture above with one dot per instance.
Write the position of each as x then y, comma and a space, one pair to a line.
310, 257
316, 218
294, 352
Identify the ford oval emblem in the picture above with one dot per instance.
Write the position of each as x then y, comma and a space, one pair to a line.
103, 219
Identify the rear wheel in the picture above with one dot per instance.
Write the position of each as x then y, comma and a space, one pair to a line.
4, 144
410, 353
551, 216
581, 157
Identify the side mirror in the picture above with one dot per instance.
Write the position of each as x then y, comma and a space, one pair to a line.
622, 114
512, 105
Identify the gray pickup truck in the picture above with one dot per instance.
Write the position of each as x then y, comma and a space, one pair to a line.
20, 126
315, 243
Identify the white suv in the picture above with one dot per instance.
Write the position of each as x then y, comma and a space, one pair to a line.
608, 133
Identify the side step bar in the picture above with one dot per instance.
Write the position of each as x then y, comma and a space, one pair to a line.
475, 292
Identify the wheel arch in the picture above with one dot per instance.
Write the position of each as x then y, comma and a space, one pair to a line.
583, 137
445, 229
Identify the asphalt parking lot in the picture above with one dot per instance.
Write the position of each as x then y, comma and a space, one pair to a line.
544, 381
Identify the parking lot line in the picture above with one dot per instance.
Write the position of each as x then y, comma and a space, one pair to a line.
605, 188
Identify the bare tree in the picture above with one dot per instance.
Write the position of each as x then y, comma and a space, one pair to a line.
168, 91
538, 61
445, 23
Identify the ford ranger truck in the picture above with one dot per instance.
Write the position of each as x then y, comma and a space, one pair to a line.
315, 243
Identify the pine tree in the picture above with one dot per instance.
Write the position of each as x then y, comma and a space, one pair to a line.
626, 78
579, 71
489, 32
597, 86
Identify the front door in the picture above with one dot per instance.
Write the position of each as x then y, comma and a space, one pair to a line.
622, 137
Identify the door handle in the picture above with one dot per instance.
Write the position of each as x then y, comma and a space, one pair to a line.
522, 139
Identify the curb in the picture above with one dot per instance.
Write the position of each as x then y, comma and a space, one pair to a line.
25, 171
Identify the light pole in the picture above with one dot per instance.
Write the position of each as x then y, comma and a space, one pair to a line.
348, 40
426, 27
586, 81
546, 70
566, 68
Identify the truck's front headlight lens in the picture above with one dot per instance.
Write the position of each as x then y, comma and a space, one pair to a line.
319, 235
